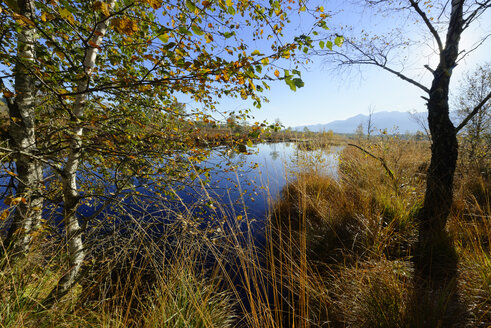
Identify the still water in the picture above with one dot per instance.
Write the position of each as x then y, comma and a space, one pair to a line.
240, 186
243, 185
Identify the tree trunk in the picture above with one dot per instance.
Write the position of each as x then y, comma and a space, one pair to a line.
435, 254
69, 176
22, 132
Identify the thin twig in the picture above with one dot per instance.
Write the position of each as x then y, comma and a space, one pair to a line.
382, 161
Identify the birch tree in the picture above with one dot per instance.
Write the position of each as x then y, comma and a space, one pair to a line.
126, 62
22, 132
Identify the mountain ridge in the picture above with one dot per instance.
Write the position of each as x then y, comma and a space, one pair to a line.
391, 121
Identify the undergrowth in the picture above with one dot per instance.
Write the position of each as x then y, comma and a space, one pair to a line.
337, 253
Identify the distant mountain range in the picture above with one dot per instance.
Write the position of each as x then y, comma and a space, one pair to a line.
393, 122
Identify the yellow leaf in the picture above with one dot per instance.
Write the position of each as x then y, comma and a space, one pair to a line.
23, 19
239, 217
277, 73
102, 7
8, 94
156, 4
208, 37
65, 14
11, 201
60, 54
43, 17
125, 25
4, 215
251, 84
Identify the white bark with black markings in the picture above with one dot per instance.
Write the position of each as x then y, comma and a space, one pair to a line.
22, 132
70, 192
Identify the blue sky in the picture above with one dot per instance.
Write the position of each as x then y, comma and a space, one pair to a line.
331, 95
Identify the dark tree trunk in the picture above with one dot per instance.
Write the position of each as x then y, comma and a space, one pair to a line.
435, 255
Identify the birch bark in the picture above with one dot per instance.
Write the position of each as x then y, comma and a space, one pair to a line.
22, 131
69, 175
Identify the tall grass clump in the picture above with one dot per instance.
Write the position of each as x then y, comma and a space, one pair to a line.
355, 234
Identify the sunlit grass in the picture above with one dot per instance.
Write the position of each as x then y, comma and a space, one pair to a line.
337, 253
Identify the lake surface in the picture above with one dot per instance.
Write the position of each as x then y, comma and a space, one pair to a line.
240, 186
251, 181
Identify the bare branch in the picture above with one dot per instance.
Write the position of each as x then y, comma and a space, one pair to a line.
382, 161
474, 47
427, 22
405, 78
429, 69
370, 59
476, 13
57, 168
473, 113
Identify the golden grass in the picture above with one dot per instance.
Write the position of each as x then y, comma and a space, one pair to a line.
337, 254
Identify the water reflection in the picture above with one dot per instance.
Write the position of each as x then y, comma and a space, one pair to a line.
240, 185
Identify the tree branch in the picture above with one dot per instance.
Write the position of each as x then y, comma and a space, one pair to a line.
473, 113
57, 168
382, 161
405, 78
371, 60
434, 32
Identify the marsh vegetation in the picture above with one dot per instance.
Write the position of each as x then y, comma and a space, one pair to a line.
334, 251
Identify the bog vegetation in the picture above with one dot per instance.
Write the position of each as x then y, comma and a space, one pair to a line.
96, 149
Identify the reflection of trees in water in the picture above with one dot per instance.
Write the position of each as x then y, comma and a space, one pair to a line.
274, 155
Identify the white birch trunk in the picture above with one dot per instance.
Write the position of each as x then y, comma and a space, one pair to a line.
70, 193
22, 131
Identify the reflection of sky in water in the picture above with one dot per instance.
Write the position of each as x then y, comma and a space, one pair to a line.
241, 184
263, 173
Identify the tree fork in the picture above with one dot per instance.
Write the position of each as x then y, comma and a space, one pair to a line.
69, 176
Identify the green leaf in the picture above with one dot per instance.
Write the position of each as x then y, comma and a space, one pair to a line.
231, 10
256, 53
191, 6
291, 84
298, 82
329, 45
184, 30
164, 37
197, 30
321, 44
339, 41
66, 14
